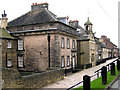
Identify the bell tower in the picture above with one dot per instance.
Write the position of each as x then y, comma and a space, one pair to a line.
88, 26
4, 20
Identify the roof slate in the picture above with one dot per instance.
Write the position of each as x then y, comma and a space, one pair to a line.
103, 46
33, 17
88, 22
5, 34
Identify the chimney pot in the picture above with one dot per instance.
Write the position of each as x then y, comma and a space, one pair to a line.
37, 6
74, 23
35, 3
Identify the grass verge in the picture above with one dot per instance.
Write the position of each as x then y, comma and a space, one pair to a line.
97, 83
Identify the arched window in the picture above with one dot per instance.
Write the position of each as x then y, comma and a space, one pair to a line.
87, 27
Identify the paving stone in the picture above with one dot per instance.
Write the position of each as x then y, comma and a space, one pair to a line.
73, 79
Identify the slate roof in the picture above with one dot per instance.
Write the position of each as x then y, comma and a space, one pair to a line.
100, 43
81, 29
34, 17
5, 34
38, 17
84, 37
88, 22
103, 46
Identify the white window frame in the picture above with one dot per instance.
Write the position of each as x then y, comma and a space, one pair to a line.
9, 63
20, 44
68, 43
9, 44
20, 61
62, 61
68, 61
73, 60
73, 44
62, 42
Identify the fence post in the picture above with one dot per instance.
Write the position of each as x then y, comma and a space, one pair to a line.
104, 75
112, 68
86, 82
118, 65
98, 74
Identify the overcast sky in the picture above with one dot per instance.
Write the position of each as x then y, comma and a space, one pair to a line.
102, 13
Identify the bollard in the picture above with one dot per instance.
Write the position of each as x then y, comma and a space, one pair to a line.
112, 68
118, 65
86, 82
104, 75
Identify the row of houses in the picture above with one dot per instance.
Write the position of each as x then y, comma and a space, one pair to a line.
40, 41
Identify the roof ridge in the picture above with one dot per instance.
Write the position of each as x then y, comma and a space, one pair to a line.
51, 15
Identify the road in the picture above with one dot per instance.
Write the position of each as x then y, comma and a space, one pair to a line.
74, 78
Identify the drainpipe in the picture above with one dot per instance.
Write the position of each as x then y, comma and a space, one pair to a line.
6, 59
48, 50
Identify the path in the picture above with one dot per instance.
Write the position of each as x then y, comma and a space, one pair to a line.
77, 77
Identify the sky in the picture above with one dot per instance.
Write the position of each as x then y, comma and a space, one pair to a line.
103, 14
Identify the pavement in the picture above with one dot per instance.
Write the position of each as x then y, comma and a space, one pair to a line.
115, 84
74, 78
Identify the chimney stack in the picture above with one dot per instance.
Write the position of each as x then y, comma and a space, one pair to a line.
4, 20
36, 6
74, 23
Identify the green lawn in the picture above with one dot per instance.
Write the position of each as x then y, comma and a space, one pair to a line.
97, 83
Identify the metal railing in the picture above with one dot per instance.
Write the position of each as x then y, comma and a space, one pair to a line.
96, 74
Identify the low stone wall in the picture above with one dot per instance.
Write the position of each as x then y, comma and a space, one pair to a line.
41, 79
13, 79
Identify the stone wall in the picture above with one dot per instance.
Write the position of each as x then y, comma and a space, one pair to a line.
41, 79
84, 46
42, 26
9, 53
13, 79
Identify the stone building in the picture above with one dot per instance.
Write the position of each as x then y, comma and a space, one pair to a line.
102, 51
8, 46
86, 50
106, 41
44, 42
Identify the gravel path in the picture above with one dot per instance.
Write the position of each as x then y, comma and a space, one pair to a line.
74, 78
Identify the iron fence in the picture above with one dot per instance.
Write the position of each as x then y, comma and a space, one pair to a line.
98, 72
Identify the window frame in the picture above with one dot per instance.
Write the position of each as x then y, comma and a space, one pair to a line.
18, 61
62, 61
7, 63
73, 44
9, 44
68, 43
62, 42
68, 57
21, 44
